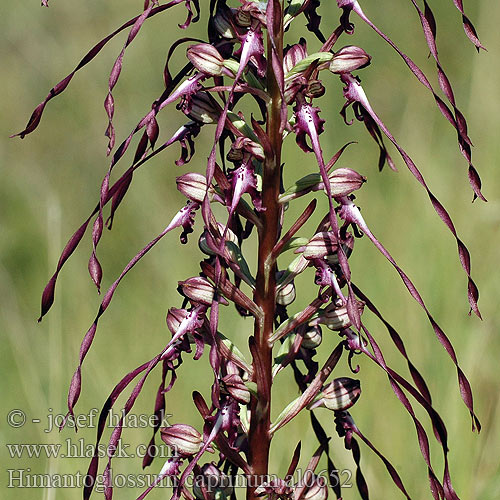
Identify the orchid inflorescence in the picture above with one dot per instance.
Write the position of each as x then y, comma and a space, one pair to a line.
244, 58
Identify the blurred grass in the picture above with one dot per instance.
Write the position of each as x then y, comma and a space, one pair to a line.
50, 182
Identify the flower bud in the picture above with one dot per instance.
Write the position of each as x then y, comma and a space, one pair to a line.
171, 467
338, 395
243, 18
315, 89
193, 186
321, 245
183, 439
174, 319
317, 491
214, 483
232, 368
234, 386
202, 108
286, 294
206, 58
235, 155
349, 59
336, 318
294, 54
312, 337
344, 181
230, 237
347, 246
297, 266
198, 290
223, 25
293, 87
244, 145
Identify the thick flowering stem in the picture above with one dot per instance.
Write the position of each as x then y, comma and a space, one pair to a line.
265, 291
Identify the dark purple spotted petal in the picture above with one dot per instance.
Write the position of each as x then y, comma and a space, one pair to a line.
243, 180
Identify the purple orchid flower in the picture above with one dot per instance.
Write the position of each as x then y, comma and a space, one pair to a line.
245, 55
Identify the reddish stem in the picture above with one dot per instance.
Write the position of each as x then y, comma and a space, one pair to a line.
265, 290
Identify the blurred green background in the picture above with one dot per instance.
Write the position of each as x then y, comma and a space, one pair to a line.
50, 183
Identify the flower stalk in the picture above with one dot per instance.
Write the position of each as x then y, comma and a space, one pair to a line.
265, 286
